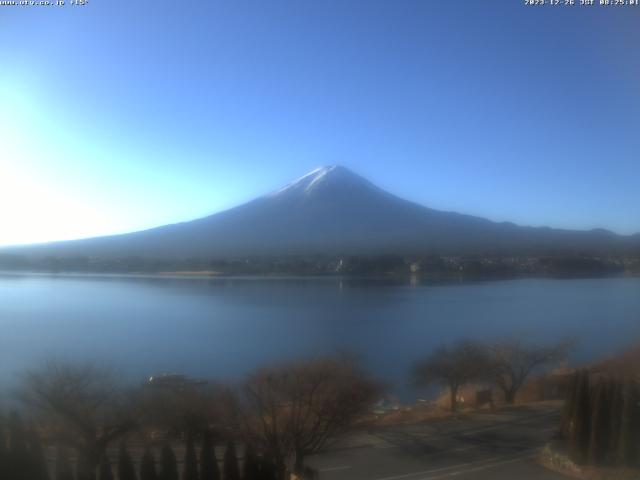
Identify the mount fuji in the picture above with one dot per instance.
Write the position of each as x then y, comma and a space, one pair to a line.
332, 210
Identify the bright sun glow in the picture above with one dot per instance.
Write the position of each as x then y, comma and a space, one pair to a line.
32, 212
32, 207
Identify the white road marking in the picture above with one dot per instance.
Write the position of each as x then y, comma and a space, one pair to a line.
333, 469
435, 454
463, 449
482, 429
483, 467
478, 465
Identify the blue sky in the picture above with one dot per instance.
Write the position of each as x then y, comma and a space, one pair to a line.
120, 115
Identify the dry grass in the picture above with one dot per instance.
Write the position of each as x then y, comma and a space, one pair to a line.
531, 393
627, 363
554, 457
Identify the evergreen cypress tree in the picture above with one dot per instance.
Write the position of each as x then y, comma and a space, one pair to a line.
168, 464
209, 469
231, 471
3, 451
267, 470
63, 469
85, 467
600, 423
18, 464
580, 434
616, 404
628, 442
126, 469
569, 405
38, 460
635, 427
251, 468
190, 471
104, 470
148, 466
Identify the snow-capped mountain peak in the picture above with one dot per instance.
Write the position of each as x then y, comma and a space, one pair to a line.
327, 178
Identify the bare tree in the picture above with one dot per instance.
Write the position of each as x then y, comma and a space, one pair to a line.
514, 360
454, 367
292, 411
81, 406
191, 408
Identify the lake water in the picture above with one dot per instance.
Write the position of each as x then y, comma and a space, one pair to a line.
225, 327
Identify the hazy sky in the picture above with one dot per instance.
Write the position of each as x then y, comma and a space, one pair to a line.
122, 115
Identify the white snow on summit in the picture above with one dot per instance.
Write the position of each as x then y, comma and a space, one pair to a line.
330, 175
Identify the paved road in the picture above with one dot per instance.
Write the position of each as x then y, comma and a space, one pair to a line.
486, 446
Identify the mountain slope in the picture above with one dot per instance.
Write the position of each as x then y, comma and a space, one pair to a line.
332, 210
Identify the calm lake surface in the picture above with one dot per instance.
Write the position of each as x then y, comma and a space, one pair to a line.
224, 327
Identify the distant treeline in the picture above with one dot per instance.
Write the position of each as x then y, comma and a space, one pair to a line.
427, 265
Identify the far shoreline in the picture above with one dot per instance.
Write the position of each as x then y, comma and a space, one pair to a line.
416, 279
